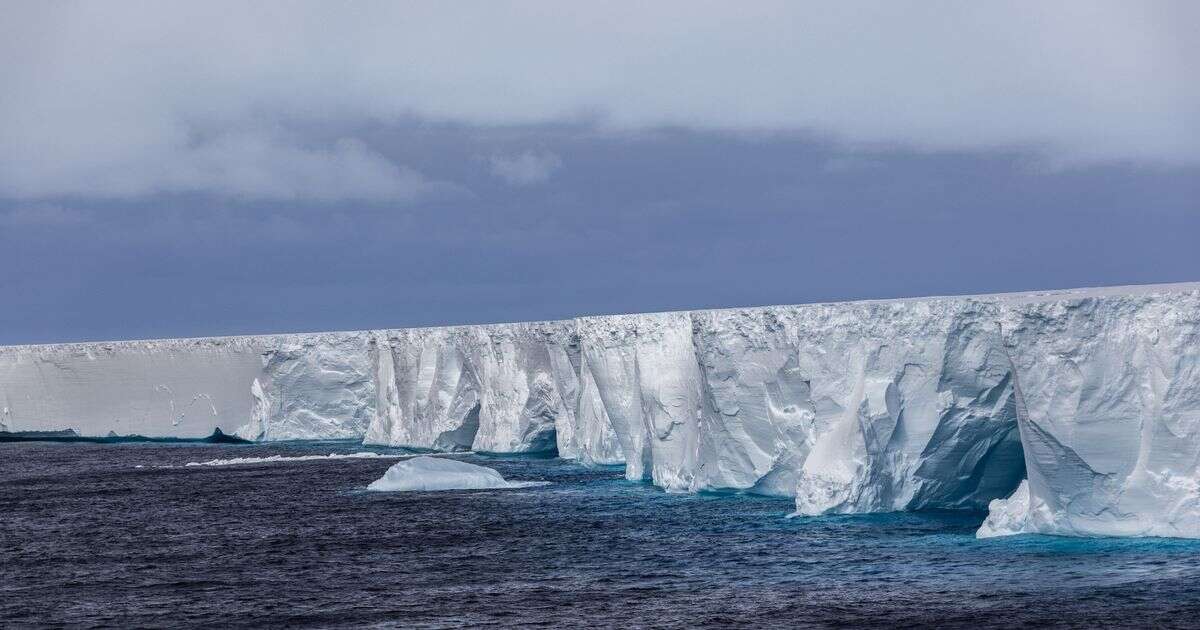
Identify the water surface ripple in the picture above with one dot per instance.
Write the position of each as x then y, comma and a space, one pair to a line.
89, 539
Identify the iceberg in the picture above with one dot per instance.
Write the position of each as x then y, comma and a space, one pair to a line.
429, 474
1091, 397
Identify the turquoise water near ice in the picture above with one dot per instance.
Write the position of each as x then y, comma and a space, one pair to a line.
91, 538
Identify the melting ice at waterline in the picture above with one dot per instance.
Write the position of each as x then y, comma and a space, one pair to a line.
1068, 412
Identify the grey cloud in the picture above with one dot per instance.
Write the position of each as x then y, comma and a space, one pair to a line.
43, 215
525, 169
253, 165
133, 98
636, 222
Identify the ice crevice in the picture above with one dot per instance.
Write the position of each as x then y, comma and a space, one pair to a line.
1067, 412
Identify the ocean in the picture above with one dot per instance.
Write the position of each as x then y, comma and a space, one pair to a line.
128, 535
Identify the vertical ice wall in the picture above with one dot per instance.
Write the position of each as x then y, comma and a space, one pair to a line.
428, 393
500, 388
647, 380
183, 388
850, 407
312, 386
1109, 409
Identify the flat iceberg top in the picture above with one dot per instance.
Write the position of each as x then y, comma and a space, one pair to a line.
429, 474
259, 343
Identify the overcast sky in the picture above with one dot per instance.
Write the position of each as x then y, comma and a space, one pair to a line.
204, 168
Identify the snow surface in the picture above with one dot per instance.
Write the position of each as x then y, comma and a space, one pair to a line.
428, 474
1092, 395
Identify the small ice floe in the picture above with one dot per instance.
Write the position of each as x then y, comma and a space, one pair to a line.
275, 459
426, 474
1008, 517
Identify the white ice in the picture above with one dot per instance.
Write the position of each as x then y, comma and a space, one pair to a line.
427, 474
1092, 395
1008, 517
281, 459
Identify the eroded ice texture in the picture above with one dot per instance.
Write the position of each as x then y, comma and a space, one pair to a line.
312, 387
1108, 396
499, 388
427, 474
1092, 395
1008, 517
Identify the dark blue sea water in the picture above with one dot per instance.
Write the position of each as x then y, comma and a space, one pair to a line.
89, 539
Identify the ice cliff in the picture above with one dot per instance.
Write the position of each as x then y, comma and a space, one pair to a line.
1091, 397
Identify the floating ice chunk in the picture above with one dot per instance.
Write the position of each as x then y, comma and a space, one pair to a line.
425, 474
275, 459
1008, 517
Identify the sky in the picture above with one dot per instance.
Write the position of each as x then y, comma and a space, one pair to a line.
208, 168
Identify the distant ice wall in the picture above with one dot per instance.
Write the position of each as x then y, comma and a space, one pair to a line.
266, 387
1093, 395
183, 388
